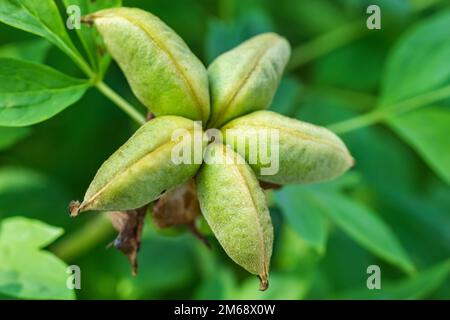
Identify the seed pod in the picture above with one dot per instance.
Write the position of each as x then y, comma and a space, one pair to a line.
235, 208
245, 79
142, 168
298, 151
160, 68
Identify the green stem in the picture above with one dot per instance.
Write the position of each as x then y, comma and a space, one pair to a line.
120, 102
82, 240
357, 122
326, 43
383, 113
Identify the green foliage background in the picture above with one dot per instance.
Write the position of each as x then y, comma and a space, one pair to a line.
385, 92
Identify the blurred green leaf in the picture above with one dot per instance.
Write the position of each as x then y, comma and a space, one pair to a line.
419, 63
426, 130
23, 232
420, 221
89, 36
281, 287
32, 50
37, 93
310, 18
286, 96
9, 136
372, 147
39, 17
26, 192
417, 287
219, 286
225, 35
338, 68
26, 271
364, 226
304, 214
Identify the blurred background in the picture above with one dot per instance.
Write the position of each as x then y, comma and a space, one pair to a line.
391, 210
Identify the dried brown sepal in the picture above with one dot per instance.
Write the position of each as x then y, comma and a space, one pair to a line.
74, 208
268, 185
149, 116
194, 230
88, 20
263, 283
177, 207
129, 224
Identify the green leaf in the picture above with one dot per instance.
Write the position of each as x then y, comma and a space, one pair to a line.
417, 75
420, 62
41, 18
225, 35
28, 193
36, 94
32, 50
218, 286
426, 131
285, 100
365, 227
9, 136
418, 286
338, 68
26, 271
23, 232
89, 36
304, 214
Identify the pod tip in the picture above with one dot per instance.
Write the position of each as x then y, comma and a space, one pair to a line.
74, 208
263, 282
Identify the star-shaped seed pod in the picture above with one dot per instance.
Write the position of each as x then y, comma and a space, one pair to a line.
229, 97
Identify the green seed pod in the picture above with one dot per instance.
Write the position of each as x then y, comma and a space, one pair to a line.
143, 168
235, 208
160, 68
300, 152
245, 79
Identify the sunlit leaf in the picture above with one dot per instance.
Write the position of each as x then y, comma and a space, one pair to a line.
25, 270
39, 17
37, 92
419, 62
426, 130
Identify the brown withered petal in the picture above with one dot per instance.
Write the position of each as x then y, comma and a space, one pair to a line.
179, 207
176, 207
128, 241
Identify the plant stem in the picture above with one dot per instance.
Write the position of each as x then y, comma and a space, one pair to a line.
357, 122
82, 240
326, 43
383, 113
120, 102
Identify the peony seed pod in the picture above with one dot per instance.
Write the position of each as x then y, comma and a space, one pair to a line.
235, 208
245, 79
162, 71
298, 151
142, 169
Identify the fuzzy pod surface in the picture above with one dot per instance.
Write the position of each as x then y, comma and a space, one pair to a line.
306, 153
161, 69
235, 208
245, 78
142, 169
